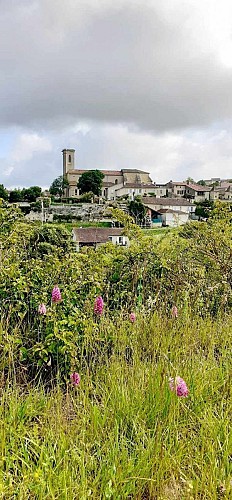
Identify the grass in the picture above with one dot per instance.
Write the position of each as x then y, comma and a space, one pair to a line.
122, 434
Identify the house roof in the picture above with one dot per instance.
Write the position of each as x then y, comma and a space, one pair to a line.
170, 211
177, 183
175, 202
198, 187
96, 234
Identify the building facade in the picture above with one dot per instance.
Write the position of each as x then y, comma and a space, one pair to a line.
116, 183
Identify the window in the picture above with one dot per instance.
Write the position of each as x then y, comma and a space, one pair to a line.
110, 238
120, 240
69, 159
116, 181
76, 192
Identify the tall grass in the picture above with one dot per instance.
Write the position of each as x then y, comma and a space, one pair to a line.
122, 434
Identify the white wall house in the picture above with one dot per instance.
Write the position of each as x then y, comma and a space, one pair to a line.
179, 204
173, 218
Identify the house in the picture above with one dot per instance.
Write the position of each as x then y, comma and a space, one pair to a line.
116, 183
180, 204
188, 190
95, 236
197, 192
221, 192
168, 211
169, 217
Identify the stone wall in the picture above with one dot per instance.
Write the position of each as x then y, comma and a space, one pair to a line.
84, 212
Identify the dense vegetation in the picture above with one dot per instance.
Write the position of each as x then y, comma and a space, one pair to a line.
121, 433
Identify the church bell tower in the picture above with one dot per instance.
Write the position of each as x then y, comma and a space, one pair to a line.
68, 160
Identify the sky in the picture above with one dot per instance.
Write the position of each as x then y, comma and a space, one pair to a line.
143, 84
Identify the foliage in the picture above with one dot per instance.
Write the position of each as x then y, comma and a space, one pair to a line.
91, 180
190, 180
37, 205
86, 197
201, 182
26, 194
121, 433
58, 186
9, 216
31, 194
15, 196
3, 193
190, 267
203, 208
137, 210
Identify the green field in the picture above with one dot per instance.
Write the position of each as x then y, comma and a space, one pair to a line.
122, 433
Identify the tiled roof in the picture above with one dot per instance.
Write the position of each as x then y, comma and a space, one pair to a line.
170, 211
175, 202
177, 183
137, 185
79, 171
134, 171
198, 187
96, 234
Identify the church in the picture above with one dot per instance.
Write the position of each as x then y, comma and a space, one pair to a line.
116, 183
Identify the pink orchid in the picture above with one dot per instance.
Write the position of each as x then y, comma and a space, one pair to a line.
56, 295
132, 317
179, 386
174, 312
42, 309
98, 306
75, 378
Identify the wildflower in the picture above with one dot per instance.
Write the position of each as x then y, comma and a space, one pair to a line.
42, 309
75, 378
132, 317
56, 295
174, 312
178, 386
98, 305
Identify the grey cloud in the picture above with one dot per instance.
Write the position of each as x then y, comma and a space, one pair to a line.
199, 154
132, 63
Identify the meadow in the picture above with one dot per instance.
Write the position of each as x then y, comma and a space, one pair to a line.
121, 432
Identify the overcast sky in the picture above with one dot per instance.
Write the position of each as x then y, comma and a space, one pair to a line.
128, 84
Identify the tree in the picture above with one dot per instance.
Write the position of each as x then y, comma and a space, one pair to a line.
203, 208
137, 210
31, 194
201, 182
3, 193
58, 186
91, 180
15, 195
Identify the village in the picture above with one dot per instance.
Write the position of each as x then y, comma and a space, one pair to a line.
151, 205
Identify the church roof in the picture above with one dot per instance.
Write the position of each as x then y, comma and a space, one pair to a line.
78, 171
134, 171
